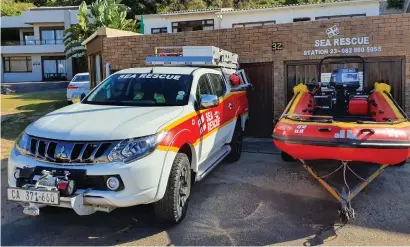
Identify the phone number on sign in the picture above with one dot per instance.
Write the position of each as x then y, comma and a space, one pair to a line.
342, 51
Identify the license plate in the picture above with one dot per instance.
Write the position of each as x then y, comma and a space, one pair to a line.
37, 196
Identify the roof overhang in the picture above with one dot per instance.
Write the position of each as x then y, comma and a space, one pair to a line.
108, 32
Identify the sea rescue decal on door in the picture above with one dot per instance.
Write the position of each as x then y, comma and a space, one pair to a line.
212, 121
197, 126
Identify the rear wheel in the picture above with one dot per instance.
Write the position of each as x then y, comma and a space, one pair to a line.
173, 206
286, 157
236, 143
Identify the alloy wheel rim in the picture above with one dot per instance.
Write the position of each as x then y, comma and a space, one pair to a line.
183, 190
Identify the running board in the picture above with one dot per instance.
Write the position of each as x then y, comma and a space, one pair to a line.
210, 164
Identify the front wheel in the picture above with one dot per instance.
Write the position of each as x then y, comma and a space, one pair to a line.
236, 144
173, 206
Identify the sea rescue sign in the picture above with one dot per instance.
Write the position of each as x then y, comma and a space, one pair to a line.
334, 44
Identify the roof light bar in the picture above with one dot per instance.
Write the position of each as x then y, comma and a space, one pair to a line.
202, 56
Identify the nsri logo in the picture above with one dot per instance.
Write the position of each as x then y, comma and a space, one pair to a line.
332, 31
345, 135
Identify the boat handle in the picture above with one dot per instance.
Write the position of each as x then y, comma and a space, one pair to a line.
324, 129
367, 130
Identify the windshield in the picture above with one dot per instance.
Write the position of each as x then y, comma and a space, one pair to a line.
81, 78
142, 90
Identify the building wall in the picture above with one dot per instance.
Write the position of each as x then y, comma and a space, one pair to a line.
280, 15
287, 14
390, 32
35, 75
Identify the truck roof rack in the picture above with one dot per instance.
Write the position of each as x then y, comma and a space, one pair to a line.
201, 56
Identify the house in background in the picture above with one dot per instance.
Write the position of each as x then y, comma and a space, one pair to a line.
195, 20
32, 46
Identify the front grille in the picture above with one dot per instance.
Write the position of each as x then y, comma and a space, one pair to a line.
69, 152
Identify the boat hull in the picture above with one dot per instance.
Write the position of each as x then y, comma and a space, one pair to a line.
379, 155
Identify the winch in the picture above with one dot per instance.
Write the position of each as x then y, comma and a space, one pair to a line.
48, 180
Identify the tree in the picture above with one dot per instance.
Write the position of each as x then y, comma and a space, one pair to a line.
13, 8
102, 13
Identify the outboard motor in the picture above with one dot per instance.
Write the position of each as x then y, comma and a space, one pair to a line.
345, 82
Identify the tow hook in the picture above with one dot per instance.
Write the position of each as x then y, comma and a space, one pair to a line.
31, 210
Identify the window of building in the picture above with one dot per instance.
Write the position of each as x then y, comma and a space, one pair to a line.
254, 24
158, 30
51, 35
301, 19
17, 64
184, 26
54, 68
338, 16
218, 84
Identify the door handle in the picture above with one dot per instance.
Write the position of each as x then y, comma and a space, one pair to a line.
230, 106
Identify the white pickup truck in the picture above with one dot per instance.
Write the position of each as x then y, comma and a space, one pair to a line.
143, 135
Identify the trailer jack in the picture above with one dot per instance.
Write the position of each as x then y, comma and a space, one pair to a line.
344, 182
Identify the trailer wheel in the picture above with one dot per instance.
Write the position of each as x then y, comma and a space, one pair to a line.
173, 206
286, 157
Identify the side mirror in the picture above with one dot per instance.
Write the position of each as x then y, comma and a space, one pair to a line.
209, 101
77, 97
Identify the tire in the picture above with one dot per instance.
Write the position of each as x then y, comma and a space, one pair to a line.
236, 143
69, 102
286, 157
173, 206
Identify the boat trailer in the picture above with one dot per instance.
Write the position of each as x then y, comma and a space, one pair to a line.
343, 181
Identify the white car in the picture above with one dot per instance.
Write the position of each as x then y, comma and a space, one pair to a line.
80, 84
143, 135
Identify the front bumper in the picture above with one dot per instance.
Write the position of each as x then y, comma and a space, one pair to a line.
143, 179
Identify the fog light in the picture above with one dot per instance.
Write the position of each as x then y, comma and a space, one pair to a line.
113, 183
17, 174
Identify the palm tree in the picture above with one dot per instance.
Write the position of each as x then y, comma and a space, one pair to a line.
102, 13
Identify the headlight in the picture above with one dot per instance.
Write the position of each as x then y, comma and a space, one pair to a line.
136, 148
22, 143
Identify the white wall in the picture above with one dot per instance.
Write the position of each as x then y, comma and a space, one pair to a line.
35, 75
157, 21
287, 14
49, 16
32, 49
13, 22
154, 22
280, 15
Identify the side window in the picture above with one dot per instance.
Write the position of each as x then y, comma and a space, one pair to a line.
203, 87
218, 84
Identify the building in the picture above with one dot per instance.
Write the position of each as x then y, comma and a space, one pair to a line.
32, 46
277, 57
229, 18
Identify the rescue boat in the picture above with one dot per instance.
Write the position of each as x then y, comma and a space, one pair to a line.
335, 121
344, 136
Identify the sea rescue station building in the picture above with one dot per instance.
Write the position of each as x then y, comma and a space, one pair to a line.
278, 47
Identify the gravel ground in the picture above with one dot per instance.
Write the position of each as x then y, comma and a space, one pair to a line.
258, 200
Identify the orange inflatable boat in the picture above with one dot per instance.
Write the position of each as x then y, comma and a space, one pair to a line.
343, 135
373, 128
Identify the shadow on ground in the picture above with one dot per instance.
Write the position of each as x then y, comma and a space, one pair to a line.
258, 200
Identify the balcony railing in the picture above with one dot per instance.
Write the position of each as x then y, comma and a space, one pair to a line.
32, 42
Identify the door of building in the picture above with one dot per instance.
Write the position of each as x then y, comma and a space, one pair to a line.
260, 99
381, 69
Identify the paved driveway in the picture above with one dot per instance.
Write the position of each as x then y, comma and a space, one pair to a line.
30, 87
258, 200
